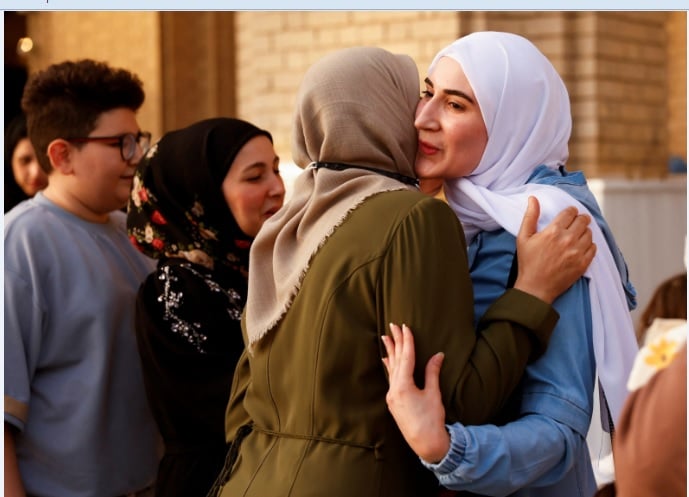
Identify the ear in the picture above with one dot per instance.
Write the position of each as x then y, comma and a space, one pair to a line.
60, 153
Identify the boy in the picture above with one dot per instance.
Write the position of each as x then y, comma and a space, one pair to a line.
76, 419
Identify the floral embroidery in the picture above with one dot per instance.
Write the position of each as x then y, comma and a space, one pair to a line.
173, 301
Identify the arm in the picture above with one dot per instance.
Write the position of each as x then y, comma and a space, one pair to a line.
555, 405
235, 414
437, 300
13, 481
493, 460
426, 435
22, 324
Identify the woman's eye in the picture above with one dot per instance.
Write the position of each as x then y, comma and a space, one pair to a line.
426, 94
455, 106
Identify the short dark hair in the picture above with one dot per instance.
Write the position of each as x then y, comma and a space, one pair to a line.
66, 99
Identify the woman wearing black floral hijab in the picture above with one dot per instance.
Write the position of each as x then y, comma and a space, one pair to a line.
199, 197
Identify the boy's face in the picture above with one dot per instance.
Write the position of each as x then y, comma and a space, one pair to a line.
102, 179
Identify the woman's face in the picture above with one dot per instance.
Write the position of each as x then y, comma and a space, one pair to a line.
253, 188
27, 173
452, 134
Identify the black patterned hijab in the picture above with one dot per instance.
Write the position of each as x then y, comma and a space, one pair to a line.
177, 208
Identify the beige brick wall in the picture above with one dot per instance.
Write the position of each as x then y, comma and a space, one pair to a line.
625, 71
274, 49
677, 84
123, 39
631, 94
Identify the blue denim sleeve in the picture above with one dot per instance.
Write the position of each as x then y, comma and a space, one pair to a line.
494, 460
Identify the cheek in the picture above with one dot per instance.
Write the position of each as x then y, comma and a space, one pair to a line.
469, 143
20, 172
245, 205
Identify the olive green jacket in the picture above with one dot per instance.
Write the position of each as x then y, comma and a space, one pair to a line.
314, 388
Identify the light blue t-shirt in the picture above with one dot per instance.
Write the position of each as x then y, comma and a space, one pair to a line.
544, 452
73, 382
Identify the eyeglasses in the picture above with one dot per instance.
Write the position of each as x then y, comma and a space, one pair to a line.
127, 142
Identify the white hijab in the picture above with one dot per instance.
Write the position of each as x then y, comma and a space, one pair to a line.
525, 107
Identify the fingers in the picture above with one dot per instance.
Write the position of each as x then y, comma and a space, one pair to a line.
589, 255
408, 354
386, 362
566, 217
394, 346
432, 379
530, 221
580, 224
401, 355
551, 260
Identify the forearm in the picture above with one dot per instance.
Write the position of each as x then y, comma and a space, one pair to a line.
13, 481
513, 330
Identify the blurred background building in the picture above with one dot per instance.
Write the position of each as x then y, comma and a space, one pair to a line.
625, 72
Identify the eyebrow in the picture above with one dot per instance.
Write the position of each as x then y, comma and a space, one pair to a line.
456, 93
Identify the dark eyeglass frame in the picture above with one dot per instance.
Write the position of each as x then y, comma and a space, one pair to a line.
127, 142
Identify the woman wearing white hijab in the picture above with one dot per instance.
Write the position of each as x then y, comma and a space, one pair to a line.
348, 254
494, 123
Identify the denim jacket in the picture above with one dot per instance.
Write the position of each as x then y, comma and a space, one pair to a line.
543, 452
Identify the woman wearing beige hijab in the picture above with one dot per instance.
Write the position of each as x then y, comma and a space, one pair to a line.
357, 247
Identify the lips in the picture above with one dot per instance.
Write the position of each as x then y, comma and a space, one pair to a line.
427, 148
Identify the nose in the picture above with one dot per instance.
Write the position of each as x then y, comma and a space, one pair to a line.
426, 115
277, 186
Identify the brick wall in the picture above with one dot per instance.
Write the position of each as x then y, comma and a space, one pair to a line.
123, 39
631, 94
677, 84
274, 49
625, 71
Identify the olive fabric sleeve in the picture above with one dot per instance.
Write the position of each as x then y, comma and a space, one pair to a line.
524, 310
425, 283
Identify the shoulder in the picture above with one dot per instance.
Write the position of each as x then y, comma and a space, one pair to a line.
405, 204
26, 218
32, 232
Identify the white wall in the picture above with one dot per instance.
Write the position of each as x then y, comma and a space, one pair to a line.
649, 221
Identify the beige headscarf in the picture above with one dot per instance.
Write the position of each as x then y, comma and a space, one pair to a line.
355, 106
